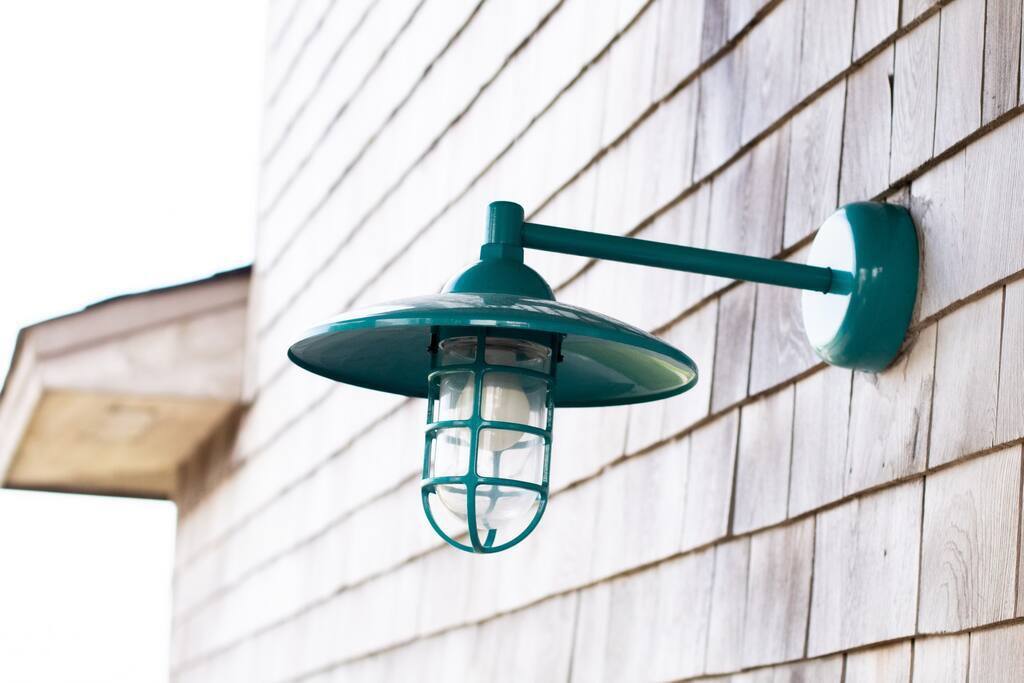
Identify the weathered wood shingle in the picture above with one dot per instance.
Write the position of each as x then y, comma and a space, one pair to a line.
914, 83
778, 593
966, 380
762, 466
865, 570
969, 543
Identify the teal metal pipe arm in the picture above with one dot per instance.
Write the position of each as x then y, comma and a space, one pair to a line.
689, 259
508, 234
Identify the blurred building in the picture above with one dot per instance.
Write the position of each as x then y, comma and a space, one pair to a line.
116, 398
784, 519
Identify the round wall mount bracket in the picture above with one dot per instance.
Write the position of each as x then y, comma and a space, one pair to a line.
873, 251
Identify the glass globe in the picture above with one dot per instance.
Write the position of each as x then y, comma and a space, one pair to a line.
502, 450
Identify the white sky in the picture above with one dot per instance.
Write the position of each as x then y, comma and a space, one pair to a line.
129, 144
85, 588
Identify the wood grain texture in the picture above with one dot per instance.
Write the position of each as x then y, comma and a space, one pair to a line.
973, 190
941, 659
657, 166
994, 183
890, 663
709, 480
568, 541
1002, 57
651, 625
874, 21
592, 626
865, 570
773, 67
961, 62
720, 112
1010, 410
778, 592
533, 652
950, 269
997, 655
827, 43
867, 129
816, 141
680, 629
780, 348
587, 440
740, 13
630, 86
914, 87
728, 604
966, 380
890, 418
748, 200
641, 509
825, 670
715, 28
679, 42
732, 346
820, 422
762, 464
914, 8
723, 19
969, 543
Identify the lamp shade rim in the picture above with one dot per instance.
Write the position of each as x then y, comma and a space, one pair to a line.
604, 361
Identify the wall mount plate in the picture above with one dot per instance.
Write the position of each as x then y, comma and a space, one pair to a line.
877, 243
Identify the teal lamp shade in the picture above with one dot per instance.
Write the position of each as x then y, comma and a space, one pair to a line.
603, 361
494, 354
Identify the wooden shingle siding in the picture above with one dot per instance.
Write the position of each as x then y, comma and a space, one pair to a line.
816, 142
709, 480
1002, 62
630, 86
778, 593
679, 35
732, 346
771, 56
783, 520
890, 418
961, 56
867, 129
941, 659
827, 44
969, 543
821, 414
914, 86
966, 380
721, 112
780, 349
748, 200
763, 464
912, 9
891, 663
1010, 409
997, 655
865, 570
728, 605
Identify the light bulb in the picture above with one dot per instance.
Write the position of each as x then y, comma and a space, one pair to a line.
502, 399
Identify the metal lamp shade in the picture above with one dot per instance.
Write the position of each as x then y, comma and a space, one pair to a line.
603, 361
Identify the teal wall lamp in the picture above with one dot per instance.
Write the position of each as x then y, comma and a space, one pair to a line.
495, 354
